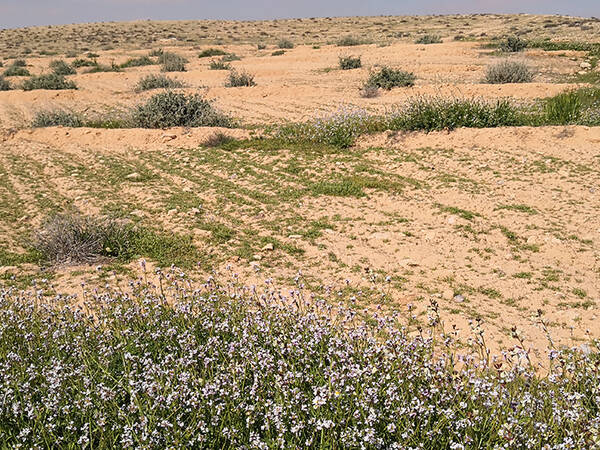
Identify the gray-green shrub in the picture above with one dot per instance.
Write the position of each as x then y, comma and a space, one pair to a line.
60, 67
508, 72
157, 82
350, 62
172, 62
513, 44
219, 65
285, 43
172, 109
49, 81
349, 41
429, 39
138, 62
56, 117
4, 84
16, 71
211, 52
237, 79
388, 78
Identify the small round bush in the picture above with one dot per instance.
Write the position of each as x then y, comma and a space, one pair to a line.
388, 78
369, 91
59, 67
80, 62
513, 44
4, 84
429, 39
171, 109
285, 43
157, 82
49, 81
171, 62
138, 62
219, 65
349, 41
211, 52
278, 53
16, 71
237, 79
54, 118
508, 72
350, 62
19, 63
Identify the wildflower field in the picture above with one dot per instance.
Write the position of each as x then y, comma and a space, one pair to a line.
288, 234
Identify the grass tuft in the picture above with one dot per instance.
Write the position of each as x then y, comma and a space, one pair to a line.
150, 82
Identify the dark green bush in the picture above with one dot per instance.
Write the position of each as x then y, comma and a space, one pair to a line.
16, 71
429, 39
211, 52
172, 62
513, 44
438, 113
285, 43
349, 41
53, 118
157, 82
237, 79
508, 72
219, 65
229, 57
171, 109
97, 68
350, 62
83, 63
388, 78
60, 67
49, 81
19, 63
4, 84
278, 53
138, 62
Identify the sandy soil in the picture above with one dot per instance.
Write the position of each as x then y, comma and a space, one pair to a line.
494, 224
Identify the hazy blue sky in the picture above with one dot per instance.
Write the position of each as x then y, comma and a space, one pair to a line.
16, 13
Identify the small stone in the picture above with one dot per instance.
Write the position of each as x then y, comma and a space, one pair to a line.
133, 176
257, 257
194, 211
585, 65
452, 220
169, 137
269, 246
295, 236
172, 211
459, 298
137, 213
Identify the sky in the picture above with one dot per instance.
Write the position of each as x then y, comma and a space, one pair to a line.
19, 13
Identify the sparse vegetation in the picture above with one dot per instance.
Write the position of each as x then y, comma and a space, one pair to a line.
97, 68
219, 65
157, 82
210, 52
429, 39
17, 69
138, 62
4, 84
388, 78
513, 44
285, 44
278, 53
171, 62
369, 91
349, 62
48, 81
238, 79
56, 117
349, 41
60, 67
508, 72
171, 109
